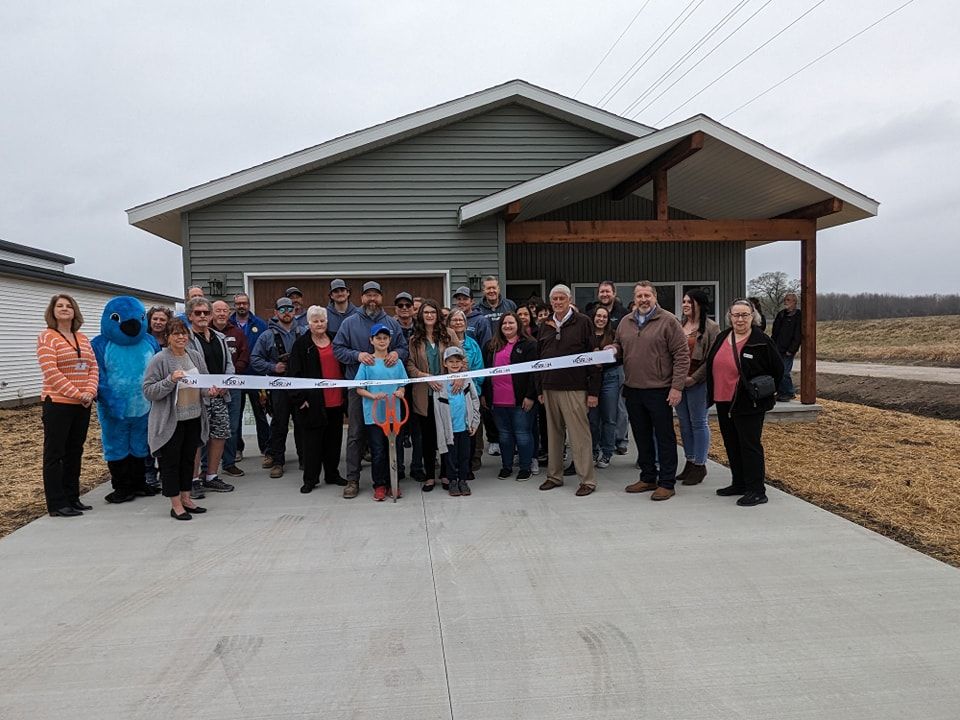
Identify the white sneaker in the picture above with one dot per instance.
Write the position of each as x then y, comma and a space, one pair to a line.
534, 467
494, 449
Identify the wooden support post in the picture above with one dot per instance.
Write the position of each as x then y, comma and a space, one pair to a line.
808, 307
660, 199
511, 212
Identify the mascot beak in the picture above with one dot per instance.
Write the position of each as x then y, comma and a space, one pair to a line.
131, 327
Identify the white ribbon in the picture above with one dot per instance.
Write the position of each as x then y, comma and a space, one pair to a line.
259, 382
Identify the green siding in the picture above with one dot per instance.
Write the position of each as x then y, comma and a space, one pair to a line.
390, 206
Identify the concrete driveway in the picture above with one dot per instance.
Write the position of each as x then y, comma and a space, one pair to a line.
512, 603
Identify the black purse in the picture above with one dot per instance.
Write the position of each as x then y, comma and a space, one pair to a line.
759, 387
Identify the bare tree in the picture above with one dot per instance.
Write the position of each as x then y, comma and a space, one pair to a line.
771, 287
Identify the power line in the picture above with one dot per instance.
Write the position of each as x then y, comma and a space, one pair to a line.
818, 59
740, 62
649, 52
697, 63
696, 46
607, 53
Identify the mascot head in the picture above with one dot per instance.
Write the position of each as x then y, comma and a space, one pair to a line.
124, 321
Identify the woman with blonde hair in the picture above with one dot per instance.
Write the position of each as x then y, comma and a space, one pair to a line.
70, 377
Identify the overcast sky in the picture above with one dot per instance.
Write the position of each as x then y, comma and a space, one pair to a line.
107, 105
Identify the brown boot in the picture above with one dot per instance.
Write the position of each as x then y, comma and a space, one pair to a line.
662, 493
351, 490
682, 475
695, 476
640, 486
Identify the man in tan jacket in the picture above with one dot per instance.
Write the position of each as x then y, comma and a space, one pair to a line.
656, 358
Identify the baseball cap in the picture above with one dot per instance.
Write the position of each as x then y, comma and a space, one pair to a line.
380, 328
293, 291
338, 284
284, 302
463, 290
403, 296
372, 285
452, 351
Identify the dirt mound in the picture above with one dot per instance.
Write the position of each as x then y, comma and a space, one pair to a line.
933, 400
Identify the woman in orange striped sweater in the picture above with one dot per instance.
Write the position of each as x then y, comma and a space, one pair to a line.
70, 378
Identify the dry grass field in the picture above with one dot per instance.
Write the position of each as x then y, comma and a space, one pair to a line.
897, 341
892, 472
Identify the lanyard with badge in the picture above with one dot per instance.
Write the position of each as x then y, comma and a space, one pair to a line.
81, 363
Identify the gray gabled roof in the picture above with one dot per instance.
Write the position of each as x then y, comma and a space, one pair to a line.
162, 217
36, 253
732, 176
62, 279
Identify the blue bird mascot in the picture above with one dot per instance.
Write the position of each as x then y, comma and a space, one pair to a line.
123, 348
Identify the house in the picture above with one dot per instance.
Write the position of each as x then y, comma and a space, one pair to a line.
514, 181
30, 277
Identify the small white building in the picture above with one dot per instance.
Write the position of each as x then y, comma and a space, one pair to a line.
28, 279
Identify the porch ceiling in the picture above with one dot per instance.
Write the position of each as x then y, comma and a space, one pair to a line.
731, 177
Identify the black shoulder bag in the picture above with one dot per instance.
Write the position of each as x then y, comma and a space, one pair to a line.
759, 387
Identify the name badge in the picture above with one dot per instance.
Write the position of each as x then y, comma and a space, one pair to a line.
748, 356
82, 365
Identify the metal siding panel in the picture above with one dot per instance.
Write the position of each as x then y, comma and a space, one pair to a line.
397, 203
26, 300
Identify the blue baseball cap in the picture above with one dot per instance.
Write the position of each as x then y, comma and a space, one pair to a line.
380, 328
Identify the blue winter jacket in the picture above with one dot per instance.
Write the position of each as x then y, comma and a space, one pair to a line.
265, 357
478, 327
251, 331
495, 313
353, 338
335, 318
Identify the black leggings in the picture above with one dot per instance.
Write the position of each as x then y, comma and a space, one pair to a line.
428, 439
176, 458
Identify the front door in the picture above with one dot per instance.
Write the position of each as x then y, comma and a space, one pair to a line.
266, 291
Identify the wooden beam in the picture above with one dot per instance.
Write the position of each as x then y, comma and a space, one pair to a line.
814, 211
674, 156
660, 199
605, 231
511, 212
808, 308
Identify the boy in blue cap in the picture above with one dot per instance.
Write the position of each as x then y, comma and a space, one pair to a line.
380, 335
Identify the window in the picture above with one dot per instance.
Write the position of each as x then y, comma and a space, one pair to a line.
520, 290
669, 294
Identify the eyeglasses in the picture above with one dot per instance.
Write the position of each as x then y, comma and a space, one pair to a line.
201, 313
285, 309
741, 316
405, 306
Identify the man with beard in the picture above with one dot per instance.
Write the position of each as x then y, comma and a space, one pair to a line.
270, 357
656, 358
352, 347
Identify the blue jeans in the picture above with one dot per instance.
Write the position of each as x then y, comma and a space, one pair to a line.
230, 447
692, 414
515, 427
786, 388
379, 456
603, 418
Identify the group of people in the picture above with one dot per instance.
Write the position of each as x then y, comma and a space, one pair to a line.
573, 418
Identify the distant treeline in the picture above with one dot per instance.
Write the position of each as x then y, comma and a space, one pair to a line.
874, 306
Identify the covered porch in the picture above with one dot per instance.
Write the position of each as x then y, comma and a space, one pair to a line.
684, 188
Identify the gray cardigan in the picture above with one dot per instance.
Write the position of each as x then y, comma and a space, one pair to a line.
160, 390
441, 411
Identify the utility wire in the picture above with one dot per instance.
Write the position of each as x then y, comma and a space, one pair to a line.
649, 52
697, 63
818, 59
607, 53
696, 46
740, 62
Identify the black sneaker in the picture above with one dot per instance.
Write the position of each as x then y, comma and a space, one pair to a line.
215, 484
233, 471
751, 499
523, 475
505, 473
731, 490
196, 493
